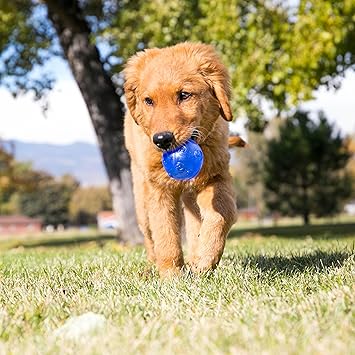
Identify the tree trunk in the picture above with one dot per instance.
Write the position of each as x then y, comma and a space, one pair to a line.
104, 106
306, 207
306, 218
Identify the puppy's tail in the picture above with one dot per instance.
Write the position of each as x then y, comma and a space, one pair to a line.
236, 141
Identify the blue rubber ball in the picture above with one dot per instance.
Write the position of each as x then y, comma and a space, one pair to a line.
184, 162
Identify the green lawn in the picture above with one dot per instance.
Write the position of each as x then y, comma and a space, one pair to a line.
268, 296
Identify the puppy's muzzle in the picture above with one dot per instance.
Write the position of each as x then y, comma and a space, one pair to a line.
163, 140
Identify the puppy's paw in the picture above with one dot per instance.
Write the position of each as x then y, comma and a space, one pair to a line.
169, 273
201, 264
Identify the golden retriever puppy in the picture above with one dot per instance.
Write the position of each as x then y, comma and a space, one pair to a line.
173, 94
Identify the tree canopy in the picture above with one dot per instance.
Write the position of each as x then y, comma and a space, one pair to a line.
277, 54
32, 192
305, 168
27, 42
86, 202
15, 177
49, 200
265, 44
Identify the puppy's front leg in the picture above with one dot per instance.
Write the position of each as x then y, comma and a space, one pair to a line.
218, 211
192, 223
164, 220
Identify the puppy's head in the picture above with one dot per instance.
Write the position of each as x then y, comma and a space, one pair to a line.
178, 92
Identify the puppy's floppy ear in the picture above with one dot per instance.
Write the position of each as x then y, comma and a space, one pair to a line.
132, 72
216, 75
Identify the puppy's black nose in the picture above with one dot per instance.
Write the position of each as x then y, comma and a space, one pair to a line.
163, 140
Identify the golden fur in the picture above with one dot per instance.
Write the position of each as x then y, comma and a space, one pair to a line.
207, 202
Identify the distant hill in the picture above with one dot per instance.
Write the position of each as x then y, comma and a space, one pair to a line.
82, 160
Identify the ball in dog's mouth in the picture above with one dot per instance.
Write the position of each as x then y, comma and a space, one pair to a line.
185, 162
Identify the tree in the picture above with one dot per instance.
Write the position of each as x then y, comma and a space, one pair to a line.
248, 171
15, 177
87, 202
33, 193
305, 168
49, 200
104, 105
265, 44
6, 184
351, 165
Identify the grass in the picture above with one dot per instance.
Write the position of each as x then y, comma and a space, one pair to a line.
63, 238
315, 231
268, 296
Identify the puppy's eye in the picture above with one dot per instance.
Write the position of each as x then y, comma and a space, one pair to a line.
183, 95
148, 101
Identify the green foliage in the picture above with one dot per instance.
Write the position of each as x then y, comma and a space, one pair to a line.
248, 170
305, 168
37, 194
26, 43
351, 165
6, 167
49, 200
86, 202
265, 44
15, 178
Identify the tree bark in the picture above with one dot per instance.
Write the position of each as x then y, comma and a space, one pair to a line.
306, 207
104, 105
306, 218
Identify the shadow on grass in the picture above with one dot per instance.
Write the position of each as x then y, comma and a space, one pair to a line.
58, 242
323, 231
317, 261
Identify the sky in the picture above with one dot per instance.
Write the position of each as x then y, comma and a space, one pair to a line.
67, 119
